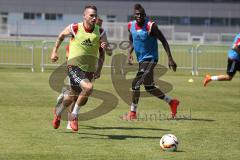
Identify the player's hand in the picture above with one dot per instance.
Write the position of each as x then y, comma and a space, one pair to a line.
130, 59
108, 50
172, 64
54, 57
104, 45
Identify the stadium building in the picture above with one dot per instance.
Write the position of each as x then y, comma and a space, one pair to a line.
178, 18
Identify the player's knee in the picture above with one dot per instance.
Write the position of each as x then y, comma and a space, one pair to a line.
67, 100
135, 87
88, 88
149, 88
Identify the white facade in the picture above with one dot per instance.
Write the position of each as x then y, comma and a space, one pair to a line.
115, 11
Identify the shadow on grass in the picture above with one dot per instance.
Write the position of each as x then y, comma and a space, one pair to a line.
114, 137
194, 119
123, 128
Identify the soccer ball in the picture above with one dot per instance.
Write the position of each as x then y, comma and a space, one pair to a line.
169, 143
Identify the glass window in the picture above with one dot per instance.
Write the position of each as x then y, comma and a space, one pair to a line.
235, 21
4, 20
163, 20
184, 20
53, 16
59, 16
50, 16
218, 22
207, 22
28, 16
199, 21
3, 13
111, 18
31, 16
38, 16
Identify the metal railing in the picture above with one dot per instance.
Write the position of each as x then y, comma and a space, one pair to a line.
17, 53
190, 56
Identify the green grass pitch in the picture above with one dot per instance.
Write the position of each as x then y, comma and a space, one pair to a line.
209, 130
208, 126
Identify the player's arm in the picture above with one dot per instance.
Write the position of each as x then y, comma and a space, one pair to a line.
66, 32
157, 33
103, 47
100, 63
105, 44
130, 49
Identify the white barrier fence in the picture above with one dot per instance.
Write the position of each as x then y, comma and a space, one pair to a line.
189, 56
17, 53
46, 53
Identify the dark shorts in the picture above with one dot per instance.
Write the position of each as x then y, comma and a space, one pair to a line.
76, 75
144, 75
232, 67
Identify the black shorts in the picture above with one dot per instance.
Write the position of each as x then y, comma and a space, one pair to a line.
76, 75
232, 67
144, 75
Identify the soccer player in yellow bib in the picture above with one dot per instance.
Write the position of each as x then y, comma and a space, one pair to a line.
82, 62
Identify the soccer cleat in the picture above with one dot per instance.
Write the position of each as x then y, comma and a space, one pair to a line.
173, 105
206, 80
74, 123
56, 120
130, 116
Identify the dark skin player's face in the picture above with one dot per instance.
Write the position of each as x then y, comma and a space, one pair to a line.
139, 16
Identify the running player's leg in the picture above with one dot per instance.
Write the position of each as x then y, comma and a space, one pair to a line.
135, 95
84, 87
232, 67
70, 109
67, 100
153, 90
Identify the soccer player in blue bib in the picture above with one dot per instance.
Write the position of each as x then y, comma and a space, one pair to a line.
143, 36
233, 64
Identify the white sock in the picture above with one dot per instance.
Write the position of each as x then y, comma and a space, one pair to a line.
167, 99
69, 120
214, 78
68, 125
76, 109
133, 107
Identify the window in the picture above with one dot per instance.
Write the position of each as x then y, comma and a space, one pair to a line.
235, 22
32, 16
3, 20
163, 20
195, 21
3, 13
53, 16
111, 18
184, 20
199, 21
38, 16
59, 16
218, 22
